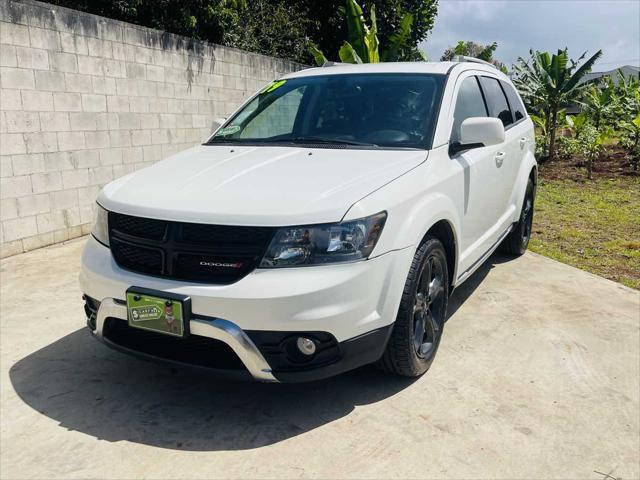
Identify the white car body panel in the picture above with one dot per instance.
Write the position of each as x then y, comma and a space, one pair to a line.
259, 186
477, 194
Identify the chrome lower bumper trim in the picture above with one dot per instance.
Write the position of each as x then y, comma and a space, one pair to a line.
218, 329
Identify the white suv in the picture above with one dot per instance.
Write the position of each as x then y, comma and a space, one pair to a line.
321, 228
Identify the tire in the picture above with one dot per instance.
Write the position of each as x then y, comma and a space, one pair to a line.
517, 241
423, 303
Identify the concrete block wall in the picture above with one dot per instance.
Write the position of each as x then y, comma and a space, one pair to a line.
86, 99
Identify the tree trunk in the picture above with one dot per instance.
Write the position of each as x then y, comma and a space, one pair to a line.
552, 133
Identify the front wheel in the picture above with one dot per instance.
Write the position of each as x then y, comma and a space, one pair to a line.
418, 327
517, 241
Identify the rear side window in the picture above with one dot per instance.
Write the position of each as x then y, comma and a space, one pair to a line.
496, 100
468, 104
517, 108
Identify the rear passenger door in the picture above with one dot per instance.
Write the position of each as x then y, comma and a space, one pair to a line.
508, 158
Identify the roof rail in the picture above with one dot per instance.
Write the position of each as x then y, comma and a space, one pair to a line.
329, 63
464, 58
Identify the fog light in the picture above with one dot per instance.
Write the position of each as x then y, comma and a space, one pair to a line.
306, 346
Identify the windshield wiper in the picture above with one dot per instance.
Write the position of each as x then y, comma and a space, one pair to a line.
338, 141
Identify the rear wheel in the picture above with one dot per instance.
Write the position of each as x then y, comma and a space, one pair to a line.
517, 241
418, 327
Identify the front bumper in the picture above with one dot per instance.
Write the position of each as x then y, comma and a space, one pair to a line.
348, 308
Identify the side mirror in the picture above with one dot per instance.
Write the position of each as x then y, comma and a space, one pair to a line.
478, 132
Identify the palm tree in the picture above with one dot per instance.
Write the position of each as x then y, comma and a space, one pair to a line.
548, 82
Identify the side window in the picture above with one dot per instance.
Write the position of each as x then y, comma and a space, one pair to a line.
468, 104
277, 119
517, 108
496, 101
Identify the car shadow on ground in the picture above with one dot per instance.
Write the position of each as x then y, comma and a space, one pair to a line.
89, 388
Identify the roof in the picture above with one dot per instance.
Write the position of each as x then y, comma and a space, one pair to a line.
627, 70
441, 68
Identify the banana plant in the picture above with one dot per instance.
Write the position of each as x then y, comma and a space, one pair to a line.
362, 45
550, 81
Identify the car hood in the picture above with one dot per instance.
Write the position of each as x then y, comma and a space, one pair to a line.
262, 186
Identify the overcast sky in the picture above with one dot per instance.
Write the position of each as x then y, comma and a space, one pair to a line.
518, 25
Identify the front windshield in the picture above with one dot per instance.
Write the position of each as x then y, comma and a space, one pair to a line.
384, 110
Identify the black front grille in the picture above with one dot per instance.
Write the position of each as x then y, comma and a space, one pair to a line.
186, 251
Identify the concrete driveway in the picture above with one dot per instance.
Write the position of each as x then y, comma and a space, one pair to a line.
537, 377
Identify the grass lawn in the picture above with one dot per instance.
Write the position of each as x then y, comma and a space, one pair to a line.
593, 225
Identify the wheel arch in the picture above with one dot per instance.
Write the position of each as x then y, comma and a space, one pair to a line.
443, 231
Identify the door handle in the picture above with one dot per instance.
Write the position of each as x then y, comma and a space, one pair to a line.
523, 142
499, 159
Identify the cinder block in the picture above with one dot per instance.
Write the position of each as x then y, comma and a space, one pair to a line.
110, 156
67, 102
27, 164
104, 85
99, 48
51, 81
44, 38
32, 58
128, 121
63, 62
8, 56
70, 141
94, 103
14, 34
121, 170
85, 158
6, 169
139, 104
83, 121
126, 86
8, 249
72, 43
120, 138
10, 100
34, 100
100, 175
19, 78
58, 161
78, 83
17, 122
12, 143
64, 199
155, 73
48, 222
38, 142
13, 187
38, 241
141, 137
8, 208
88, 195
132, 155
18, 228
90, 65
114, 68
97, 139
75, 178
136, 70
46, 182
54, 121
117, 103
149, 120
33, 204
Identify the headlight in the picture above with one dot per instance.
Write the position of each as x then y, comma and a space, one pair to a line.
321, 244
100, 228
